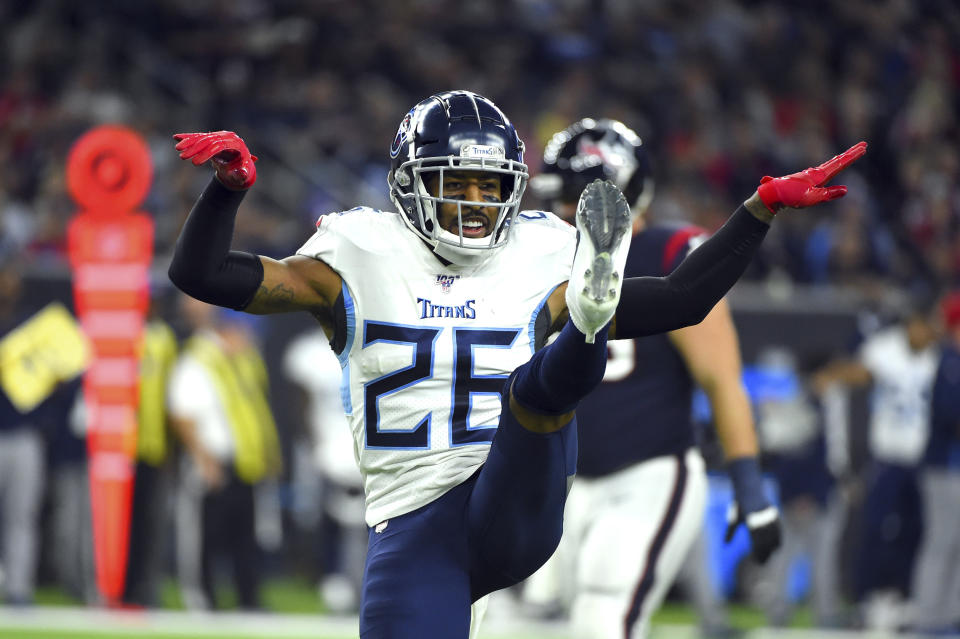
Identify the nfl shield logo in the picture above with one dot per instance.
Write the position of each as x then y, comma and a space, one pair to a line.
446, 281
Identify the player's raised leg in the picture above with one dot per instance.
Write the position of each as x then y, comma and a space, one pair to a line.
515, 513
516, 510
546, 389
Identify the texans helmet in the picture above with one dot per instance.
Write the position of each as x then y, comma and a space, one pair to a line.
595, 149
461, 131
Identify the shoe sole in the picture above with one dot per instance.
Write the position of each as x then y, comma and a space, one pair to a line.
603, 215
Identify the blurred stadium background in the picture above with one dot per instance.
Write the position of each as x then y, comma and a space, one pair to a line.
722, 93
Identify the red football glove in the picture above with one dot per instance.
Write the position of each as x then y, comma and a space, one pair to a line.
806, 187
226, 150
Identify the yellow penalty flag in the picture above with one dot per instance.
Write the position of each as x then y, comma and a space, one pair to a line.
45, 350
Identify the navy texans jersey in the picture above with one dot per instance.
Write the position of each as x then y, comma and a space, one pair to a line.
642, 408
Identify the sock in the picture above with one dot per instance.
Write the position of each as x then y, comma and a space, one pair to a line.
559, 375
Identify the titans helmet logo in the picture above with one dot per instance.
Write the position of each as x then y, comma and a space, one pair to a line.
402, 134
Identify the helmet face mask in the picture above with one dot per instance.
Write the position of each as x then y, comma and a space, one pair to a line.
589, 150
426, 202
456, 131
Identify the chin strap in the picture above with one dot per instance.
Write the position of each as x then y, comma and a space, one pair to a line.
461, 256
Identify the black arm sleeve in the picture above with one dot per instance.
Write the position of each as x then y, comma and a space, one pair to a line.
651, 305
203, 265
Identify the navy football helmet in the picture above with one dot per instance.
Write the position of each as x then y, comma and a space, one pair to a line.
589, 150
461, 131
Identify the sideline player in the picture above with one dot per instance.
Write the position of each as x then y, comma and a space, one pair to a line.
463, 423
640, 496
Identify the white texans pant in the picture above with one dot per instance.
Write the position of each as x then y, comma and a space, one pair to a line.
625, 537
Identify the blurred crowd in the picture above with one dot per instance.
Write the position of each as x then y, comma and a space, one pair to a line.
722, 93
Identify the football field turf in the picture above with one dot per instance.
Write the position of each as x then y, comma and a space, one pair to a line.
80, 623
294, 615
293, 607
68, 622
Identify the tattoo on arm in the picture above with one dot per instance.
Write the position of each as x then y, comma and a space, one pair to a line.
274, 299
279, 294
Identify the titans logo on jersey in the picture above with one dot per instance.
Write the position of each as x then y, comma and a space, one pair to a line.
423, 367
428, 309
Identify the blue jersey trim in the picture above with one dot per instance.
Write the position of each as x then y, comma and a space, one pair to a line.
350, 311
345, 391
344, 356
532, 326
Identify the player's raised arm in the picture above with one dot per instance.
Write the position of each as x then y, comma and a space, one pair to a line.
203, 265
651, 305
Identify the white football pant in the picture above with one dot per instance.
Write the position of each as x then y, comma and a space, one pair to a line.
625, 538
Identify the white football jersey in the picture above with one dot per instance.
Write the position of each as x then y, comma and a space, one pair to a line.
429, 346
902, 385
309, 362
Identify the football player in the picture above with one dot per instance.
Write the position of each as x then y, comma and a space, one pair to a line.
640, 496
463, 420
